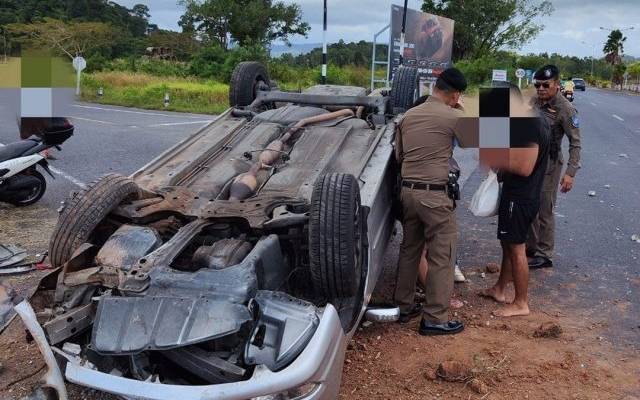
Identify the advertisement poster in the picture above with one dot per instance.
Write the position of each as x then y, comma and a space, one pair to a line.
428, 43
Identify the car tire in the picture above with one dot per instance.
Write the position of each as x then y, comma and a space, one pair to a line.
404, 89
337, 238
36, 194
246, 79
84, 211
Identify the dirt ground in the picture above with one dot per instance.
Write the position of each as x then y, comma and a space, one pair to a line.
392, 361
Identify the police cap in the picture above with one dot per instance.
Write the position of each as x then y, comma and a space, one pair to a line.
547, 72
454, 79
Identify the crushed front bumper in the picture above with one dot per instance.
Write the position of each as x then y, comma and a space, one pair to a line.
320, 363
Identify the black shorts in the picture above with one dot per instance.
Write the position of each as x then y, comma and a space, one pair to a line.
515, 218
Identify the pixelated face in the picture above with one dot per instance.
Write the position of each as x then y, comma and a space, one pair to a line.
546, 89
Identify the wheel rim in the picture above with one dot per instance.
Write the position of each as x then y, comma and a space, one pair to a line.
33, 194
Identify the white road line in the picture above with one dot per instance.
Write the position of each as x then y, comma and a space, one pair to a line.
94, 120
616, 117
134, 112
593, 104
63, 174
179, 123
68, 177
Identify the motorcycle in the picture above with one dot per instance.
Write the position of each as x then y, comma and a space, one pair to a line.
568, 94
21, 184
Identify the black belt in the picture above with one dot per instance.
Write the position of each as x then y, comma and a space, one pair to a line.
424, 186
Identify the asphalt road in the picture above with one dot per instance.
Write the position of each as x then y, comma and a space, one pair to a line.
597, 265
107, 139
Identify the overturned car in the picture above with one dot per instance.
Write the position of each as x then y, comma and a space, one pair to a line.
237, 264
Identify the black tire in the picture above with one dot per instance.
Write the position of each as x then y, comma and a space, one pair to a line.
36, 194
246, 79
336, 237
404, 89
84, 211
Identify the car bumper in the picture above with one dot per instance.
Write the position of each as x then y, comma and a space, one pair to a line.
320, 364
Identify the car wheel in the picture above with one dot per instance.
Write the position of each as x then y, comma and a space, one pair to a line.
84, 211
404, 89
337, 238
246, 80
36, 192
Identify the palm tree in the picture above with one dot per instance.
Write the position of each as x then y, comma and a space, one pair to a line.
614, 48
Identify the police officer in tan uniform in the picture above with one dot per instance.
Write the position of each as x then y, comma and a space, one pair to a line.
424, 145
563, 119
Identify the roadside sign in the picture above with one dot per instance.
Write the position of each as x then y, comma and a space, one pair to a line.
499, 75
520, 73
79, 63
529, 74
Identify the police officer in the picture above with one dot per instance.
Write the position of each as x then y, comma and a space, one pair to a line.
424, 145
563, 119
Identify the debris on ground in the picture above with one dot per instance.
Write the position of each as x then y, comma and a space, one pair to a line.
11, 255
607, 186
592, 193
453, 371
478, 386
623, 155
430, 374
635, 238
492, 268
548, 330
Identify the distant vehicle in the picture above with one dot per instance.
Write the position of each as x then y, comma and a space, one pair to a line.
580, 84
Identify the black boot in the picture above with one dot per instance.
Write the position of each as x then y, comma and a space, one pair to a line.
443, 328
414, 312
540, 262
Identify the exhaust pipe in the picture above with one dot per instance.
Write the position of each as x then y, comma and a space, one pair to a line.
245, 185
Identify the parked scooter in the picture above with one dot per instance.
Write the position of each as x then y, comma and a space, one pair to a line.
21, 184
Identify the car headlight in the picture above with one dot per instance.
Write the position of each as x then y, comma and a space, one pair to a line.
291, 394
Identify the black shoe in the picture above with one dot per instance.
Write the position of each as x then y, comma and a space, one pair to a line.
540, 262
414, 312
445, 328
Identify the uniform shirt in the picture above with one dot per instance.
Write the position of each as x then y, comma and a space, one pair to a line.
528, 188
424, 141
563, 120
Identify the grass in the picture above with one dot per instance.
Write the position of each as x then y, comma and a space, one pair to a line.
147, 91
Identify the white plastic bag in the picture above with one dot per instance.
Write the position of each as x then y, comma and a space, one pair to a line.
486, 199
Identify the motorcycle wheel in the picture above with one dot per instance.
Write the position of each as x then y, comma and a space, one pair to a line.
36, 192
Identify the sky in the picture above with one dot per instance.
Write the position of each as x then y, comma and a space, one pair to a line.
573, 28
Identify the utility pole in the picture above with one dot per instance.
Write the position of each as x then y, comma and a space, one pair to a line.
593, 54
404, 26
324, 45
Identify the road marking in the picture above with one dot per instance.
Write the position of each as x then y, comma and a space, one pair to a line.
616, 117
63, 174
94, 120
68, 177
593, 104
134, 112
179, 123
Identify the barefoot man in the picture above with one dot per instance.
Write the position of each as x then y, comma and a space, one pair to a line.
522, 168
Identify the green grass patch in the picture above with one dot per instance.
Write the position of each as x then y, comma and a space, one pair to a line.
146, 91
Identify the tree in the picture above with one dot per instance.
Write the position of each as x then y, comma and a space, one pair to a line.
484, 26
244, 21
70, 39
614, 49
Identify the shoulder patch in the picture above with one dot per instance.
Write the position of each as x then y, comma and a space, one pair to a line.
575, 121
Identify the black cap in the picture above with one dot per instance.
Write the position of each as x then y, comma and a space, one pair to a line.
547, 72
454, 78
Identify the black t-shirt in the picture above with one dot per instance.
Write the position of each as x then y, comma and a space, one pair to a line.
528, 188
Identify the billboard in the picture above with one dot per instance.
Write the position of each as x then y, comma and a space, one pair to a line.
428, 42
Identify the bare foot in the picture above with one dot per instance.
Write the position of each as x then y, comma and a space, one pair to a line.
494, 294
512, 310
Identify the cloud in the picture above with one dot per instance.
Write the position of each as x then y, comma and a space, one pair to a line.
572, 22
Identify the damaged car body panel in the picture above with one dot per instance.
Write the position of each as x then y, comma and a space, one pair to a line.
238, 263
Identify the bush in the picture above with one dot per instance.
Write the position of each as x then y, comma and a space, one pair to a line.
208, 63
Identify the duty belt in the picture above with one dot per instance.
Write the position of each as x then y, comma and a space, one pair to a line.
424, 186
